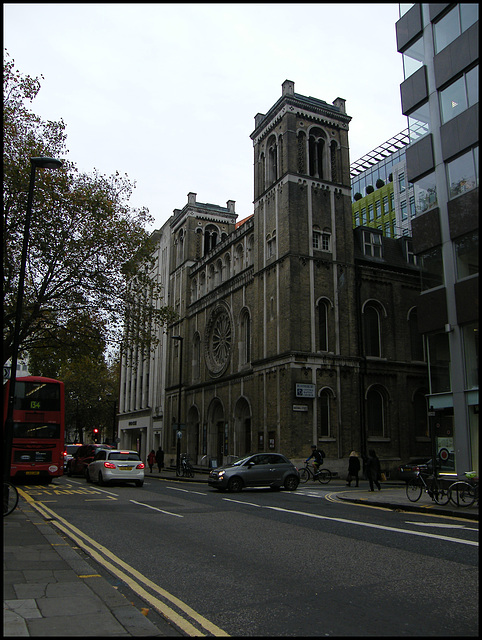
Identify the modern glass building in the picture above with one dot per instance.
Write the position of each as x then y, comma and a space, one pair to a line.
440, 97
381, 196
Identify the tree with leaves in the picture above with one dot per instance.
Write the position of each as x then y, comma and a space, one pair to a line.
85, 243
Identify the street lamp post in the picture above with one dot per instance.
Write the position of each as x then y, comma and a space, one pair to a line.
178, 439
45, 163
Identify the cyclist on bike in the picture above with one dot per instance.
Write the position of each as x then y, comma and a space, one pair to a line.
317, 455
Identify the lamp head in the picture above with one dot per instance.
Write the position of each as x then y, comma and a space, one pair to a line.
46, 163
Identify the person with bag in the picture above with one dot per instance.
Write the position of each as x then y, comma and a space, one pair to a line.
317, 455
151, 459
373, 470
353, 468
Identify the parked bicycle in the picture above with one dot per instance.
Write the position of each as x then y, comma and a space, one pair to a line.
185, 468
431, 485
323, 475
10, 498
463, 493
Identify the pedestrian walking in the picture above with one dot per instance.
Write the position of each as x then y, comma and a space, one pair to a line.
353, 468
373, 470
160, 458
151, 459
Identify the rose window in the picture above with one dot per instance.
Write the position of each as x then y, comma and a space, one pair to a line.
219, 340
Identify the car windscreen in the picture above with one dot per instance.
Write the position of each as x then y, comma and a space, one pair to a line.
123, 456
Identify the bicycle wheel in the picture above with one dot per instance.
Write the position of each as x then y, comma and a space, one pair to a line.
10, 498
304, 475
462, 494
324, 476
190, 472
440, 495
414, 490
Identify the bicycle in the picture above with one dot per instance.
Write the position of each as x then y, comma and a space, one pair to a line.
434, 488
463, 493
322, 475
10, 498
185, 469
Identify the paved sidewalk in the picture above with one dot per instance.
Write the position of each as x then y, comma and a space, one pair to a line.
50, 590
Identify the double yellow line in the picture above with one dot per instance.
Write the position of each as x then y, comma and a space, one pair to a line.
132, 577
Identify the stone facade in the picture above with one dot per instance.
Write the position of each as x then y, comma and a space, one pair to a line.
295, 328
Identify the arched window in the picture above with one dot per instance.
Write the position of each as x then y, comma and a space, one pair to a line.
376, 412
238, 259
416, 338
227, 266
316, 150
218, 273
371, 331
194, 290
211, 277
202, 284
245, 338
323, 325
196, 357
325, 413
211, 235
272, 160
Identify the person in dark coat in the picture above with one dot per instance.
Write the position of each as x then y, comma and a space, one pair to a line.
353, 468
160, 458
373, 470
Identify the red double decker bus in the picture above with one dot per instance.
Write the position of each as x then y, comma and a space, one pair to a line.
38, 428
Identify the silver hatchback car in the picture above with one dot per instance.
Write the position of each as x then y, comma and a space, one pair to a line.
116, 465
258, 470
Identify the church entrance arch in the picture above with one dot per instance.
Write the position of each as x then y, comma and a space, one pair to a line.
217, 431
242, 428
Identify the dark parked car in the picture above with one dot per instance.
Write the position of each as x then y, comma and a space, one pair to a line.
408, 470
81, 458
258, 470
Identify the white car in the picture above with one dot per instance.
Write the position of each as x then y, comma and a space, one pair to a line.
116, 465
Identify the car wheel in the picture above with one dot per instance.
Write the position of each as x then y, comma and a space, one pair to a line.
87, 476
69, 470
139, 483
291, 483
100, 479
235, 485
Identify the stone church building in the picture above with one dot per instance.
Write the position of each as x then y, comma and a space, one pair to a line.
294, 328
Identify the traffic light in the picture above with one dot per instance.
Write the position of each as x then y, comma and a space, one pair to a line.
95, 433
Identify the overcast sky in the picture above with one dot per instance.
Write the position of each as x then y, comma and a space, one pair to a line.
167, 93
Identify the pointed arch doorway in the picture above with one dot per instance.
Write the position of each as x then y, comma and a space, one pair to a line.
242, 428
217, 431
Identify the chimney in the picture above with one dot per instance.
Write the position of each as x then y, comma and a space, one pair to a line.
288, 87
340, 102
230, 205
191, 198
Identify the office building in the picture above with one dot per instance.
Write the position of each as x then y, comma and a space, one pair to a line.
439, 44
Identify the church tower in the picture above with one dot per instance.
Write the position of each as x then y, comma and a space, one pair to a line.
304, 265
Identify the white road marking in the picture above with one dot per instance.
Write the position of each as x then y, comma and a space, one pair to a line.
361, 524
176, 515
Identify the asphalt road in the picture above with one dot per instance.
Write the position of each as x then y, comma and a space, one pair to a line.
276, 563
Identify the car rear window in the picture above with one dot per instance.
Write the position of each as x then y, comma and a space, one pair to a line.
72, 448
119, 455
